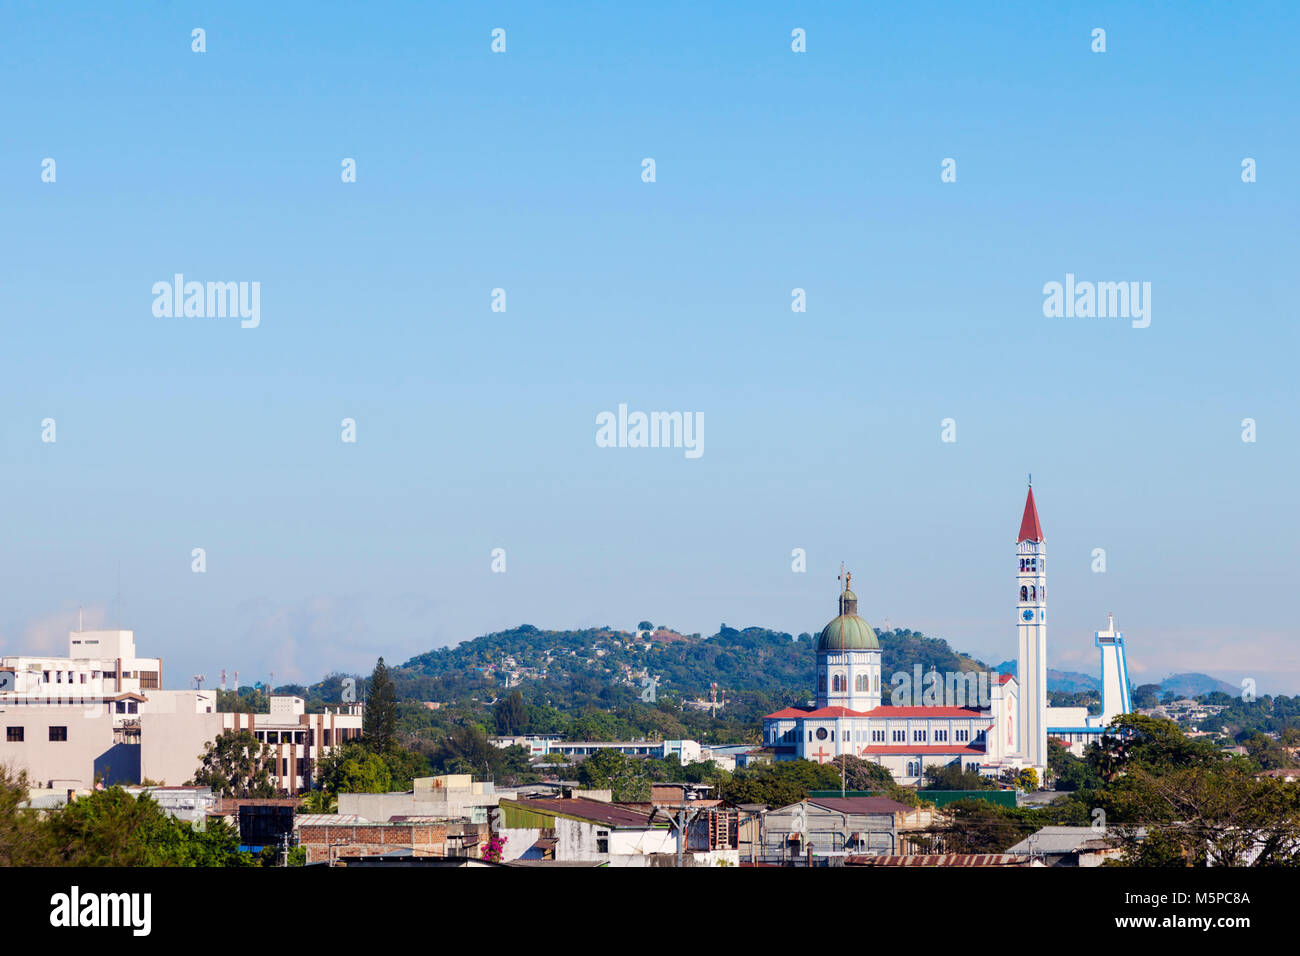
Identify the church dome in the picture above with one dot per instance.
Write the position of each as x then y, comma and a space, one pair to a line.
848, 632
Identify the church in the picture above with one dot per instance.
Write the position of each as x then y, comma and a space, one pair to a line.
1006, 727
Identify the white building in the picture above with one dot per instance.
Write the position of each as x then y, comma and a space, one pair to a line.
1004, 727
1072, 726
100, 715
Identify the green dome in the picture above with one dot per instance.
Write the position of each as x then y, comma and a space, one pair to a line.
848, 632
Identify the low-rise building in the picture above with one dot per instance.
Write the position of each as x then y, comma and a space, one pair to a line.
572, 830
100, 716
1069, 846
837, 826
334, 842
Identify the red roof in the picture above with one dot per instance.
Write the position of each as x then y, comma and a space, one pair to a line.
789, 712
939, 859
1030, 529
924, 749
1004, 678
888, 711
883, 711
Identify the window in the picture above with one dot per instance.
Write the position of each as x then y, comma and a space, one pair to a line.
877, 736
941, 736
602, 841
58, 733
1024, 594
900, 736
14, 735
45, 677
918, 736
962, 736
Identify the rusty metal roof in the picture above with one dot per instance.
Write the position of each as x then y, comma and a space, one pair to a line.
939, 859
611, 814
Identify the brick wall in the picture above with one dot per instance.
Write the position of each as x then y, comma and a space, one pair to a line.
425, 839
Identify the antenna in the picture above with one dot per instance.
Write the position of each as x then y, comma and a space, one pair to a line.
197, 680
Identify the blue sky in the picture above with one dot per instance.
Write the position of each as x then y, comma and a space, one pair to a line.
522, 171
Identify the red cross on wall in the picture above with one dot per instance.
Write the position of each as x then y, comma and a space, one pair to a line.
821, 752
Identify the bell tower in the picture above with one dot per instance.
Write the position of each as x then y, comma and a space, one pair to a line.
848, 657
1031, 621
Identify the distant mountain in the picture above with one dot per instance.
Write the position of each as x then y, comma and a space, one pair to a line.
1184, 685
1190, 685
1070, 682
752, 660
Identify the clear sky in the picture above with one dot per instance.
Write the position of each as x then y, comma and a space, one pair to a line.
775, 170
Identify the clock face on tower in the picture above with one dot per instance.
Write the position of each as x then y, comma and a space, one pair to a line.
1027, 614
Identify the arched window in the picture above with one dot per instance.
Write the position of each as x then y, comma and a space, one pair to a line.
863, 683
1024, 594
1033, 593
837, 684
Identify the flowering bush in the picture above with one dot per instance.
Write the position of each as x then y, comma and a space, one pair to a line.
492, 850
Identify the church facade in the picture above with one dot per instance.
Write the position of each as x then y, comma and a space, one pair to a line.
1005, 726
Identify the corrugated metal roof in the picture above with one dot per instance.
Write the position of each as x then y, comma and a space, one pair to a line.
939, 859
327, 819
860, 804
1053, 840
611, 814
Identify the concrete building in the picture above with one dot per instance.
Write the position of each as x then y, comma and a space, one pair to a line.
1069, 846
100, 715
449, 796
568, 830
331, 842
686, 751
833, 826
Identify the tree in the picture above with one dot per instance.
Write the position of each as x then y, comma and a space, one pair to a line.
379, 722
977, 826
353, 768
511, 714
1070, 772
859, 774
780, 784
113, 828
21, 833
953, 777
1146, 696
609, 769
235, 765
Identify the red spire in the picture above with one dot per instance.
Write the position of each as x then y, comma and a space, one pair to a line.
1030, 529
